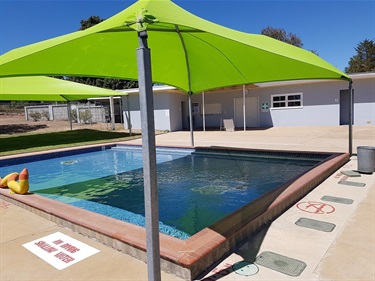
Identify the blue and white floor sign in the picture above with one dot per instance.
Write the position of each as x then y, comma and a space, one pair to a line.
60, 250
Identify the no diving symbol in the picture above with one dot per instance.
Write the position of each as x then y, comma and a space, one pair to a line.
315, 207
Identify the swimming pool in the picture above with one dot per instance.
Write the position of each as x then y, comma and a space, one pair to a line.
185, 258
196, 189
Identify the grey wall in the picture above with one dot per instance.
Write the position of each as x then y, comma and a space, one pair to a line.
226, 99
321, 105
364, 101
175, 110
167, 111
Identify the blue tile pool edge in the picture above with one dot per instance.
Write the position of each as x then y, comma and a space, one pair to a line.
50, 154
228, 151
31, 157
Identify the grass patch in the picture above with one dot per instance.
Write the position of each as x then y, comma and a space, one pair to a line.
38, 142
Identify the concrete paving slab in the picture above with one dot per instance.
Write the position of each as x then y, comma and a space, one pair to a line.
324, 139
17, 222
352, 253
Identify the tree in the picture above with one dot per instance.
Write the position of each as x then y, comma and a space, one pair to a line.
108, 83
281, 35
364, 60
91, 21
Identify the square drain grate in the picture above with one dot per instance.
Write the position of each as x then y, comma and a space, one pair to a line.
315, 224
337, 199
352, 183
283, 264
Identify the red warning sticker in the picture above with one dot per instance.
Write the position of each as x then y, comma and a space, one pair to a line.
315, 207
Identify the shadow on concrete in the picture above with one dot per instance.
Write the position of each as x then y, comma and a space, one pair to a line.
64, 138
20, 128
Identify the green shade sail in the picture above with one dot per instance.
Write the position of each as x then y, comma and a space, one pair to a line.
41, 88
187, 52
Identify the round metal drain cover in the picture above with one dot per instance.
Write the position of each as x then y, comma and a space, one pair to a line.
245, 268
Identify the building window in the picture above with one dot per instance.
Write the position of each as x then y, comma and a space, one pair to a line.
287, 101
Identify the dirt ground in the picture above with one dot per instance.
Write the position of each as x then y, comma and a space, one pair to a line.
17, 124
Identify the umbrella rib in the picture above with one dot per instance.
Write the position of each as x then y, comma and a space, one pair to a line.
186, 56
153, 28
64, 97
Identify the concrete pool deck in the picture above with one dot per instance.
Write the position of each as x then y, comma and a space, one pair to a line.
345, 253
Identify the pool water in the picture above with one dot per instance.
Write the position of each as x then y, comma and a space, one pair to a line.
195, 189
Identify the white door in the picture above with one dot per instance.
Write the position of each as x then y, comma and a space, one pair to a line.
251, 109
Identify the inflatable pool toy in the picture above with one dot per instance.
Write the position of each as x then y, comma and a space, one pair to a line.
3, 181
20, 187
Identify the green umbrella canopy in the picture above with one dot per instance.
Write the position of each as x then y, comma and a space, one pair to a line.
187, 52
41, 88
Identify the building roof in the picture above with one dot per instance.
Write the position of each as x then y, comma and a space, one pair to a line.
166, 88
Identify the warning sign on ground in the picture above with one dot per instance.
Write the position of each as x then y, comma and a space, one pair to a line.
60, 250
315, 207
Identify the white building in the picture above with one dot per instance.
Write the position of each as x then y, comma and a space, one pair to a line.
290, 103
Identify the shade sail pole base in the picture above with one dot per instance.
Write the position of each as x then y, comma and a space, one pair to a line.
244, 106
149, 158
351, 118
203, 112
112, 110
69, 108
191, 120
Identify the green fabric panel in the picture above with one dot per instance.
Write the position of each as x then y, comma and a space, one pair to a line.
216, 56
40, 88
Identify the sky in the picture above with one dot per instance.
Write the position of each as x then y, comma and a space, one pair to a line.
331, 28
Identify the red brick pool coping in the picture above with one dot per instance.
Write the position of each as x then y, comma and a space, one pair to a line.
186, 259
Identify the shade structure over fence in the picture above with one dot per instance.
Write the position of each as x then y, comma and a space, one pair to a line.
41, 88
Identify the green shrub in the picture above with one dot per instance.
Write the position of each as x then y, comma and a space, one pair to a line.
35, 115
46, 115
85, 116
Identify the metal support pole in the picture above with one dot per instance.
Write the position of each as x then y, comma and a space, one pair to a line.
244, 106
191, 119
203, 112
112, 110
351, 118
69, 114
90, 113
77, 113
149, 158
128, 119
121, 110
